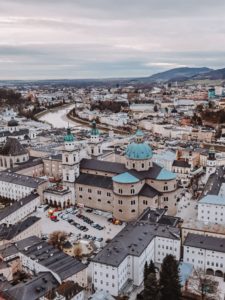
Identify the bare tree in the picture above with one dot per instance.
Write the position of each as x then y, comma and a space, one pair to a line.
78, 251
57, 239
203, 285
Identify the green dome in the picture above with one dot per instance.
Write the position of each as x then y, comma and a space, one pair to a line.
139, 151
94, 130
69, 136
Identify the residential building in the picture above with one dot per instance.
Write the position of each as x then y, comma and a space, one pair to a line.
206, 253
121, 262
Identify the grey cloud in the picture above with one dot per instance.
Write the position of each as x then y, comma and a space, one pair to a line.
108, 38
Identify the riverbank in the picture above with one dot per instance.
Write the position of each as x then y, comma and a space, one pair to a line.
100, 126
42, 113
56, 117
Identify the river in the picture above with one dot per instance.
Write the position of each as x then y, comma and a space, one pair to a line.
58, 119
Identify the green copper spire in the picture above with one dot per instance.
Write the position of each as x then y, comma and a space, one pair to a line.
94, 130
69, 136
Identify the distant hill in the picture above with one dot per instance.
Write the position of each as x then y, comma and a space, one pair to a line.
177, 74
211, 75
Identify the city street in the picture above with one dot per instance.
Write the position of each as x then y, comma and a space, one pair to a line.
187, 207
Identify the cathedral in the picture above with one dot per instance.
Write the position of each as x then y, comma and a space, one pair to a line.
123, 189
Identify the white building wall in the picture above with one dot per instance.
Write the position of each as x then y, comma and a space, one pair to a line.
211, 213
112, 279
14, 191
165, 246
22, 212
204, 259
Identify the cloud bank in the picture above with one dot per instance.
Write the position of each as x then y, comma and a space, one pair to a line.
108, 38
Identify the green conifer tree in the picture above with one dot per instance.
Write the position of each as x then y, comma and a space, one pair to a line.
151, 267
151, 291
169, 283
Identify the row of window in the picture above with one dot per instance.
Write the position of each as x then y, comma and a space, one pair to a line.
106, 275
98, 192
209, 212
133, 210
132, 191
67, 158
142, 165
208, 263
221, 220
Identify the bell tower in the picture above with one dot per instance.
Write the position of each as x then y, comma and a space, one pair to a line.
211, 163
70, 162
95, 144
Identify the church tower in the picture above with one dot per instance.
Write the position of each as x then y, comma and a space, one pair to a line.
211, 163
70, 162
95, 144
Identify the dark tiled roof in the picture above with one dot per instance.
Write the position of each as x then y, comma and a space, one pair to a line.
48, 256
32, 182
17, 205
57, 261
149, 191
214, 182
133, 240
33, 289
13, 147
28, 164
95, 180
181, 164
23, 131
205, 242
152, 173
4, 133
7, 233
169, 220
103, 166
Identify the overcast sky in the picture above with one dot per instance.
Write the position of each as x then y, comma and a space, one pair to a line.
108, 38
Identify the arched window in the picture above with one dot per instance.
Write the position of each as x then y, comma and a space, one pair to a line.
67, 159
133, 210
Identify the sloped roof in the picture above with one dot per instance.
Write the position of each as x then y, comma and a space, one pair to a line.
181, 163
13, 147
166, 175
149, 191
95, 180
34, 288
212, 199
125, 178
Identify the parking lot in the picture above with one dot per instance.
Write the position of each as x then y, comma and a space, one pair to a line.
72, 224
